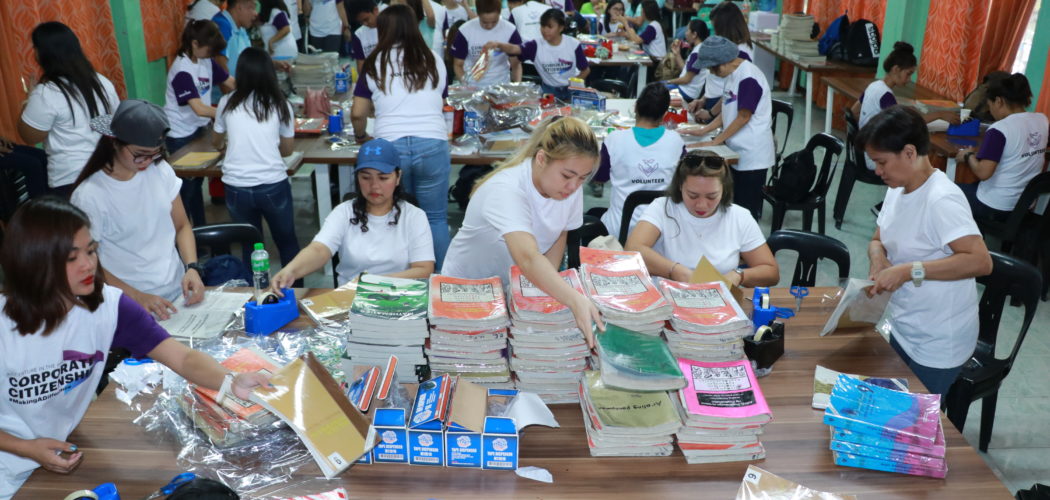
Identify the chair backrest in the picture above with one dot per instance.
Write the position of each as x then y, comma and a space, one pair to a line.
13, 192
633, 201
1015, 223
832, 149
854, 156
1011, 277
811, 247
219, 238
782, 108
618, 87
592, 228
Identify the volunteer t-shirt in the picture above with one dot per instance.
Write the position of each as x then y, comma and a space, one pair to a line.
507, 203
605, 28
252, 154
876, 97
188, 80
384, 248
633, 167
363, 42
472, 38
48, 381
400, 112
715, 83
202, 10
1017, 143
684, 237
459, 13
555, 63
936, 323
526, 18
746, 88
285, 47
653, 40
692, 89
324, 18
131, 220
70, 140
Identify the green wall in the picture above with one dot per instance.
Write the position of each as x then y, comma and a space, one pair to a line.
144, 79
1036, 68
905, 20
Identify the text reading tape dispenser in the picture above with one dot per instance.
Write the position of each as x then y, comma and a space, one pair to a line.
266, 318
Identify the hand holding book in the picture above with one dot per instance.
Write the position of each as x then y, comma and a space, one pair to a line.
586, 313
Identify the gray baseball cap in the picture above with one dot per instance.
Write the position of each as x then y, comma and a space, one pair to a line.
135, 121
714, 51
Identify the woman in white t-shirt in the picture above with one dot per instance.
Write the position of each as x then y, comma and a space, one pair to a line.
1011, 151
404, 84
60, 108
698, 219
691, 81
612, 22
926, 251
187, 99
458, 10
276, 30
650, 34
520, 214
259, 123
132, 195
557, 57
59, 320
727, 21
376, 232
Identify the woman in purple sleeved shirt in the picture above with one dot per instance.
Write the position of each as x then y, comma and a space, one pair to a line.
58, 323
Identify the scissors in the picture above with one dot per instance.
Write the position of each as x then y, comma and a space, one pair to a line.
175, 482
800, 292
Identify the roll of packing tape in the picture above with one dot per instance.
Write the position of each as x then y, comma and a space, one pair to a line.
78, 495
762, 332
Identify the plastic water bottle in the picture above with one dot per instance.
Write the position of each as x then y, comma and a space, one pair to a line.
260, 271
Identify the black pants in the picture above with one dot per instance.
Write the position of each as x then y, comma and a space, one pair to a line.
32, 163
747, 190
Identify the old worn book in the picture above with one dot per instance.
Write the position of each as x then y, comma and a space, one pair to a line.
246, 360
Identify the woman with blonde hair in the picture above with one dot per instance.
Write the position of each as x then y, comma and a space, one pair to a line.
521, 213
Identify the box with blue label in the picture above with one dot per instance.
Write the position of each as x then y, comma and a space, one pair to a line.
587, 98
392, 447
499, 445
466, 423
427, 423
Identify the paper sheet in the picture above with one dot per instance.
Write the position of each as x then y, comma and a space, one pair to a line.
206, 319
196, 159
528, 409
535, 473
861, 308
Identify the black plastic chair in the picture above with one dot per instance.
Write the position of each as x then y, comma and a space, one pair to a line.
618, 87
633, 201
811, 247
984, 373
816, 199
219, 239
13, 194
782, 108
1024, 234
853, 169
592, 228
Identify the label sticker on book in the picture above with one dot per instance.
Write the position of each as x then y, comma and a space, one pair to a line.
705, 298
455, 292
753, 476
719, 379
336, 459
617, 285
528, 289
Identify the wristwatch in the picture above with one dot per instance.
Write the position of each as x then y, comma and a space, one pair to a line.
918, 273
740, 271
196, 267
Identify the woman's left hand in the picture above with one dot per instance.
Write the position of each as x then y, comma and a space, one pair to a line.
960, 157
192, 287
245, 383
891, 278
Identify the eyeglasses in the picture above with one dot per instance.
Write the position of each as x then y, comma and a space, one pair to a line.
148, 157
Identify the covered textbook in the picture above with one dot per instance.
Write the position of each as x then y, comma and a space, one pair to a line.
633, 361
824, 380
869, 409
467, 304
723, 392
620, 286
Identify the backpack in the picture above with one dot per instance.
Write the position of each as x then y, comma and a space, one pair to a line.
836, 32
977, 101
468, 176
793, 178
222, 268
862, 43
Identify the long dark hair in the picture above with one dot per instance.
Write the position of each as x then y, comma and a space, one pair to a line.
703, 164
417, 8
359, 204
101, 158
59, 54
728, 21
34, 255
257, 78
608, 7
206, 33
399, 31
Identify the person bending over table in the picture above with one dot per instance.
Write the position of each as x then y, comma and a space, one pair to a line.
557, 57
469, 45
691, 81
728, 22
1011, 153
520, 214
59, 320
132, 195
697, 218
747, 113
926, 251
377, 231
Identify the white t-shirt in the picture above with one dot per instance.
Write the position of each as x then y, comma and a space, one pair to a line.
324, 18
384, 248
715, 83
692, 89
1017, 142
634, 168
293, 18
203, 10
527, 19
285, 48
363, 42
469, 42
555, 63
746, 87
399, 112
936, 323
653, 42
457, 14
507, 203
131, 220
70, 140
189, 80
684, 237
252, 154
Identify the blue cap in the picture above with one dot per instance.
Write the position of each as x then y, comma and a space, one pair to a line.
378, 154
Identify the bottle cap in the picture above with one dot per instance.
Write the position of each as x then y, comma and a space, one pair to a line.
260, 246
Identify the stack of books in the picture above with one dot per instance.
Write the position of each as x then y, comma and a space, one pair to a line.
235, 419
724, 411
873, 427
707, 323
388, 317
619, 285
794, 38
633, 361
626, 423
468, 335
548, 351
824, 380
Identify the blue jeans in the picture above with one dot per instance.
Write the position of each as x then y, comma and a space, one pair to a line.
32, 163
425, 166
979, 209
936, 380
272, 202
192, 191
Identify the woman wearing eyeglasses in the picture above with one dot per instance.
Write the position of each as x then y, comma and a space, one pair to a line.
131, 195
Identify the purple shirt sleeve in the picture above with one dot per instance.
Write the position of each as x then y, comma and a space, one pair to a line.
581, 59
528, 51
459, 46
887, 100
569, 6
744, 55
510, 18
749, 94
444, 24
691, 62
648, 34
280, 21
604, 167
361, 88
515, 38
184, 87
137, 331
356, 50
992, 146
218, 73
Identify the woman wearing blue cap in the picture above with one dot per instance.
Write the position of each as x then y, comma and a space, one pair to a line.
377, 231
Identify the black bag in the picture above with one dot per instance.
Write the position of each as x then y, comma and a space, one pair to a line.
222, 268
794, 177
862, 43
468, 176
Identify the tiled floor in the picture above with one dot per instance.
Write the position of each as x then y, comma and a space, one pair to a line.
1020, 447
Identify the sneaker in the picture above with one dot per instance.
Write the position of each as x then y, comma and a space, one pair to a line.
597, 189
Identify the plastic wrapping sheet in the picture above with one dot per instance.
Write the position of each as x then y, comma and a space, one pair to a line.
759, 484
849, 306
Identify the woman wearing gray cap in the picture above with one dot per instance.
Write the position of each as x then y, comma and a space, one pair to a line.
132, 197
746, 116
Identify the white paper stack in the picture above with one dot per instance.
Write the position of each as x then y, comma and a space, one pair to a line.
794, 38
468, 335
388, 317
707, 323
626, 423
619, 285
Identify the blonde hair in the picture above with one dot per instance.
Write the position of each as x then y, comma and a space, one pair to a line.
559, 137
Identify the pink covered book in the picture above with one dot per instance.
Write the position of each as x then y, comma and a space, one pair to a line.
528, 298
723, 391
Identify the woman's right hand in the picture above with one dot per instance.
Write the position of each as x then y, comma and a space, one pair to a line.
158, 306
283, 279
586, 314
48, 453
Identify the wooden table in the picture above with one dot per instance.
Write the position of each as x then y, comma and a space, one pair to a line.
211, 168
796, 445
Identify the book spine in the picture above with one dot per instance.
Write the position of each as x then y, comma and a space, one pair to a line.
848, 460
874, 430
888, 454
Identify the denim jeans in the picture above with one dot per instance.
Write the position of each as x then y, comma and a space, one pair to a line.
272, 202
192, 192
425, 166
32, 163
936, 380
979, 209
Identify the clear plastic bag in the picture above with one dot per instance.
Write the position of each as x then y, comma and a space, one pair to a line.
850, 306
759, 484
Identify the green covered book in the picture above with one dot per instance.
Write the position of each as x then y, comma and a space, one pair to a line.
618, 412
385, 298
635, 361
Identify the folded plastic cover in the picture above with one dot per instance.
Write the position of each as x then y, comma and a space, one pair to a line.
869, 409
759, 484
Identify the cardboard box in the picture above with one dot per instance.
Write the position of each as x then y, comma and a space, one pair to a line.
392, 447
466, 422
587, 98
425, 431
500, 444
